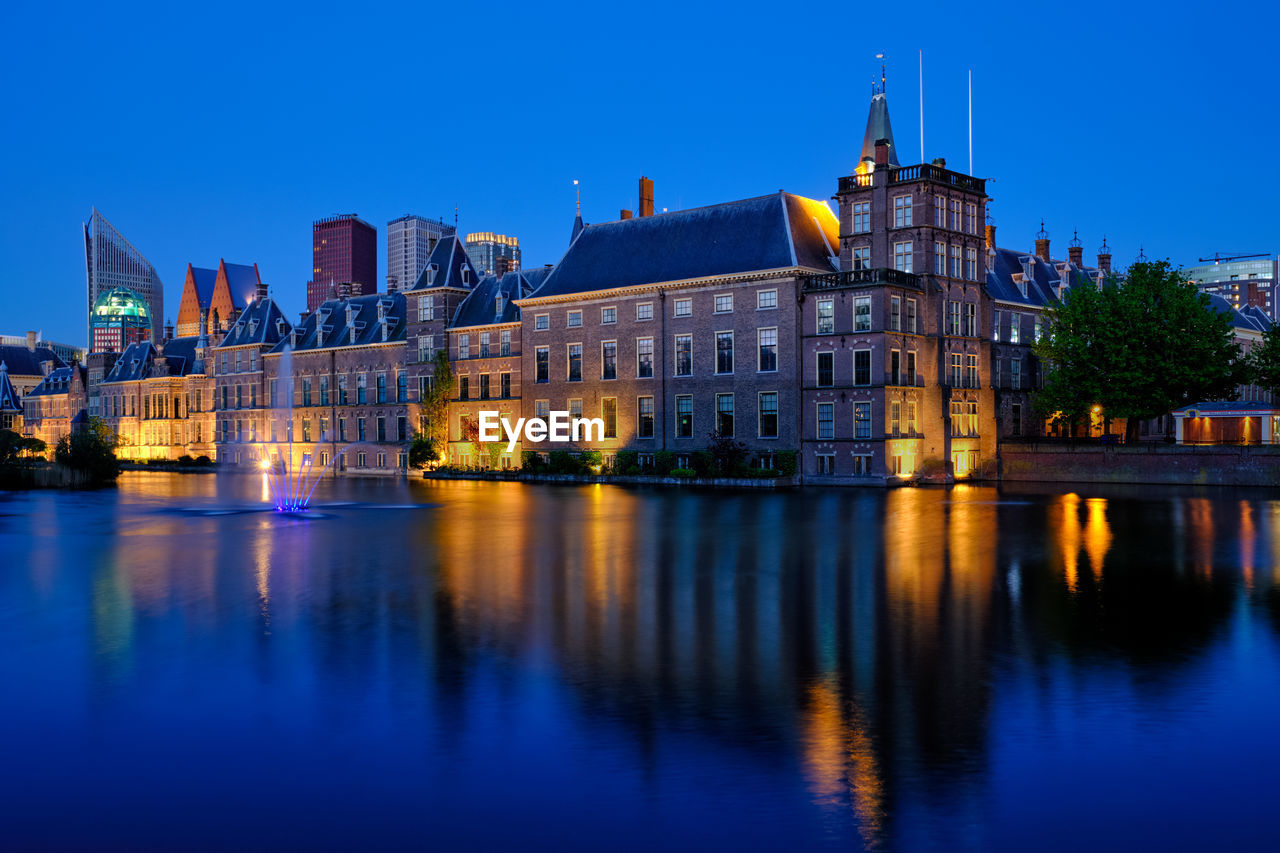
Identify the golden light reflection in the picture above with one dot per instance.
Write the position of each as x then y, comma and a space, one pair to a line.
839, 757
1202, 533
1070, 538
1248, 536
1097, 534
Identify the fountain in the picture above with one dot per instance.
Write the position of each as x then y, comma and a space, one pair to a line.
291, 489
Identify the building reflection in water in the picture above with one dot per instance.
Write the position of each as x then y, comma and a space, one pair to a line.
856, 635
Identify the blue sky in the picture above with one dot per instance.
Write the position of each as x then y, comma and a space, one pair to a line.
206, 132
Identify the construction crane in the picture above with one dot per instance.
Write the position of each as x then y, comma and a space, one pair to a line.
1219, 257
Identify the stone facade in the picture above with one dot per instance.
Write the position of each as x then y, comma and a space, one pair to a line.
159, 402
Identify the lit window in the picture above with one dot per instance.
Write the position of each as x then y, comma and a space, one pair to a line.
826, 316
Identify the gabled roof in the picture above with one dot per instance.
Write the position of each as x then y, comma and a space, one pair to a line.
9, 399
137, 360
58, 381
24, 362
262, 322
330, 325
770, 232
878, 127
447, 261
1006, 265
482, 307
1249, 322
242, 281
203, 280
536, 276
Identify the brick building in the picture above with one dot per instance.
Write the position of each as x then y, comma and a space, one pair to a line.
219, 295
158, 400
240, 390
55, 406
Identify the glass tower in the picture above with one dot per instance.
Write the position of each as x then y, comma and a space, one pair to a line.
111, 261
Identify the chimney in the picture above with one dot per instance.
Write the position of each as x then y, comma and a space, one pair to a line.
46, 367
302, 317
1042, 243
357, 288
624, 214
393, 284
1075, 251
31, 341
882, 153
646, 196
991, 235
260, 292
168, 331
1104, 257
344, 291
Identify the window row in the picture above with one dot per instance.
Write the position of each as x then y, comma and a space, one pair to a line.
348, 429
766, 357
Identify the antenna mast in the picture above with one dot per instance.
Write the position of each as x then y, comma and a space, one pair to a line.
922, 105
970, 121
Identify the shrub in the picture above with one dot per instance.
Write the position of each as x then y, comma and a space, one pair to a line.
203, 461
663, 462
564, 462
703, 462
532, 462
787, 463
632, 471
91, 451
684, 473
728, 454
185, 459
626, 460
932, 468
589, 460
423, 450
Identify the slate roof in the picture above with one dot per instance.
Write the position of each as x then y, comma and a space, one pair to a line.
481, 307
1252, 321
878, 127
243, 281
775, 231
1041, 278
262, 322
448, 259
204, 280
57, 382
137, 359
331, 319
536, 276
9, 399
24, 362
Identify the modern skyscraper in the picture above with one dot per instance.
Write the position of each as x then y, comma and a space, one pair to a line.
343, 249
1242, 280
119, 318
493, 254
111, 261
410, 241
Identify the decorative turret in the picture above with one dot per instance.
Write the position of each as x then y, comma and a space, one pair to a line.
1042, 243
1104, 256
1075, 250
878, 128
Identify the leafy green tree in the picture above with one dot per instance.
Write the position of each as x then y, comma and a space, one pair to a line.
91, 450
1265, 361
1138, 348
435, 407
423, 451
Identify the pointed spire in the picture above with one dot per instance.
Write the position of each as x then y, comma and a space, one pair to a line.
878, 126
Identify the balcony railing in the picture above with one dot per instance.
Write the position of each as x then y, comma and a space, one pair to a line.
938, 175
853, 182
856, 278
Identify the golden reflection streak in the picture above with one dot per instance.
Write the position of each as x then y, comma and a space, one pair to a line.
1202, 533
1097, 534
1071, 539
839, 755
1248, 534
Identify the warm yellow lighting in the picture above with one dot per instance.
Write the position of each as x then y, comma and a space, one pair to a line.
1097, 410
264, 464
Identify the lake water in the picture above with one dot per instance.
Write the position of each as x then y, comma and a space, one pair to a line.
496, 665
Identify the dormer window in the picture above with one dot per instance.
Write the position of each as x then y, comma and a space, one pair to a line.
466, 275
432, 269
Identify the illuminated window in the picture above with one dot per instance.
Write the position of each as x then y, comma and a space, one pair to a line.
609, 414
862, 420
826, 316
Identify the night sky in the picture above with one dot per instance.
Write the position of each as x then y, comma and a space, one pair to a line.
206, 132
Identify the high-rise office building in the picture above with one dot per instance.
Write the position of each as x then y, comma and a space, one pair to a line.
1242, 281
493, 254
410, 241
119, 318
343, 249
111, 261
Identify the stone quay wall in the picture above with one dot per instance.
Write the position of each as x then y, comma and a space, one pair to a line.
1154, 463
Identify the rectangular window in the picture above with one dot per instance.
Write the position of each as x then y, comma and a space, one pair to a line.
972, 364
1015, 373
464, 387
971, 264
939, 257
644, 358
939, 212
324, 390
608, 316
971, 319
484, 386
910, 325
769, 414
911, 367
956, 272
957, 370
895, 418
895, 313
644, 311
402, 387
1015, 321
826, 421
342, 391
862, 420
895, 367
464, 346
902, 211
484, 344
426, 309
575, 362
382, 429
684, 355
542, 322
684, 416
1015, 419
574, 319
684, 308
724, 303
973, 418
238, 368
424, 348
902, 256
724, 352
862, 258
541, 408
724, 415
644, 413
766, 299
504, 381
826, 316
362, 388
912, 422
609, 413
542, 364
862, 367
955, 214
1035, 331
995, 325
360, 434
826, 369
767, 340
953, 317
609, 360
382, 387
970, 218
862, 313
505, 338
861, 217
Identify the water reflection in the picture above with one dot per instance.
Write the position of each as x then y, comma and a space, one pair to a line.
836, 661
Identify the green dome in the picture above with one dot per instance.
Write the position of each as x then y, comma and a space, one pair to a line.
121, 305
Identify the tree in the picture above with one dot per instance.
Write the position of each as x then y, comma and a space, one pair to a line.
1139, 348
728, 454
1265, 361
435, 405
91, 450
423, 451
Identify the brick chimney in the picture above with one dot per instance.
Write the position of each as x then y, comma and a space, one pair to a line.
31, 341
168, 331
991, 235
344, 291
882, 153
1104, 257
1042, 243
646, 196
357, 288
260, 292
393, 284
1075, 251
624, 214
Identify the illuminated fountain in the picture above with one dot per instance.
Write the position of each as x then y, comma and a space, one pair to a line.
289, 488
